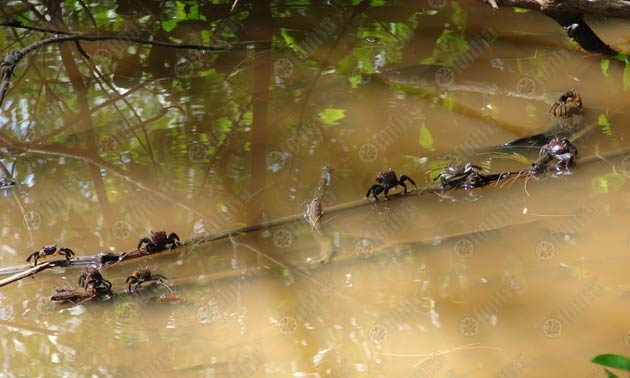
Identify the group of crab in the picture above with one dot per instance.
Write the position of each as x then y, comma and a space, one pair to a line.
159, 241
93, 282
470, 176
96, 286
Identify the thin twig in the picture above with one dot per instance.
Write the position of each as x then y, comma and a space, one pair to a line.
19, 276
447, 351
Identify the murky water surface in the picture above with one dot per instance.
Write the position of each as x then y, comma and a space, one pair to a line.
522, 279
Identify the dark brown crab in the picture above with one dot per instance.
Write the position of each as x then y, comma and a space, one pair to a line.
567, 97
93, 284
457, 175
159, 241
142, 275
93, 280
104, 258
49, 250
388, 180
559, 149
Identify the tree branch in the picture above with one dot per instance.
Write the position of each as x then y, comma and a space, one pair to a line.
570, 15
611, 8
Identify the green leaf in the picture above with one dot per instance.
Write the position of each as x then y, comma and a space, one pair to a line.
604, 65
170, 24
603, 122
520, 10
354, 81
330, 116
224, 124
289, 40
248, 118
613, 360
426, 139
459, 16
626, 77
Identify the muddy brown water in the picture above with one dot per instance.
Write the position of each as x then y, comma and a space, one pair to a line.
523, 279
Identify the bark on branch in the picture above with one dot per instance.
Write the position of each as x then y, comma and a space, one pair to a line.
570, 15
607, 8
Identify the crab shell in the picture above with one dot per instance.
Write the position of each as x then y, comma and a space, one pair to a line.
387, 177
158, 235
557, 145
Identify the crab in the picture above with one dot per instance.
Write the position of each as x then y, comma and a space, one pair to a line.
142, 275
567, 97
49, 250
93, 279
459, 176
104, 258
559, 149
159, 241
386, 181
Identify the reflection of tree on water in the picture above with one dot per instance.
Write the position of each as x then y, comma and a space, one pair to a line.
143, 136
